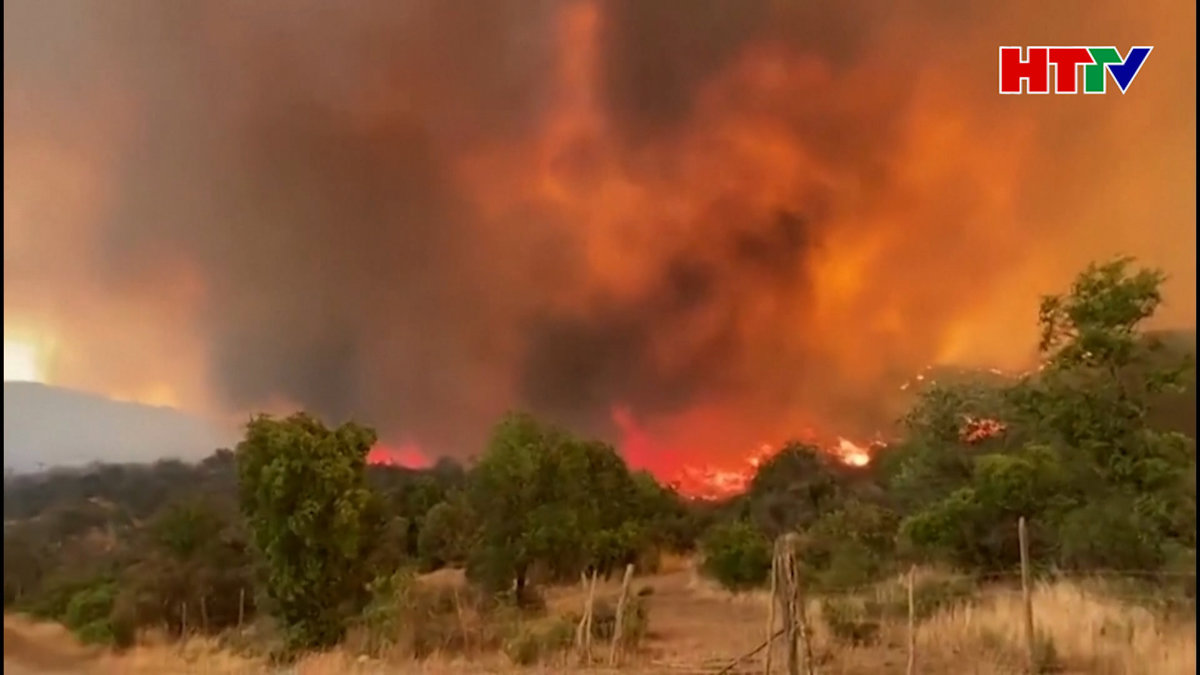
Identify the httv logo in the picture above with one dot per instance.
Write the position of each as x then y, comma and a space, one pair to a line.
1097, 62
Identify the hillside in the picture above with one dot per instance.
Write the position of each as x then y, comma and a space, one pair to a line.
47, 426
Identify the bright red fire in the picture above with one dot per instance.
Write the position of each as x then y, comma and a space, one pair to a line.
407, 455
674, 467
679, 467
977, 430
671, 466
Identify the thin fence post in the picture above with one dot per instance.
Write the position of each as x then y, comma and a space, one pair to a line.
183, 627
591, 616
795, 615
619, 623
771, 607
462, 624
912, 623
1027, 593
583, 635
583, 583
802, 620
789, 606
241, 606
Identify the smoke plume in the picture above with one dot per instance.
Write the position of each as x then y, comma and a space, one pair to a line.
724, 222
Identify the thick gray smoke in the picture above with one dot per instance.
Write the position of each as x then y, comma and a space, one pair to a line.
301, 163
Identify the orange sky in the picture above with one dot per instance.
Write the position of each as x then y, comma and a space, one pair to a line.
734, 222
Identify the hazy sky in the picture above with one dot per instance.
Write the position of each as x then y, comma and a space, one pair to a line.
719, 222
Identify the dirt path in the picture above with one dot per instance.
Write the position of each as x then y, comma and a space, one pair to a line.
682, 633
37, 652
42, 649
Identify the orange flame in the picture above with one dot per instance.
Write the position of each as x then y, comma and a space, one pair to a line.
407, 455
679, 469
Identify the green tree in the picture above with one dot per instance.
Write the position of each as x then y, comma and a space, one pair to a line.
1079, 446
303, 490
446, 533
737, 555
851, 545
193, 553
549, 501
1102, 374
792, 489
508, 490
26, 562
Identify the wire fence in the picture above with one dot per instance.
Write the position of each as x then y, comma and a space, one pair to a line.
997, 579
851, 616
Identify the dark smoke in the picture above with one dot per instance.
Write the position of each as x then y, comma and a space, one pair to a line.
578, 365
301, 159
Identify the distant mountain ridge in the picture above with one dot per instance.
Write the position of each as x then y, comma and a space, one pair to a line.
46, 426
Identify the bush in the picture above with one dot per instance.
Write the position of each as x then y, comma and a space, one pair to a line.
90, 605
852, 622
122, 627
604, 621
95, 633
849, 564
931, 596
531, 645
737, 555
94, 616
406, 617
51, 603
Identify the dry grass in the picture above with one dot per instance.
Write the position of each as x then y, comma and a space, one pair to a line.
696, 627
1089, 634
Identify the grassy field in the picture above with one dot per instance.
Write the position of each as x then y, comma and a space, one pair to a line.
695, 627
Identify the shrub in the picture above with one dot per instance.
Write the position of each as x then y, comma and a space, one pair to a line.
530, 645
737, 555
406, 617
604, 621
90, 605
51, 603
95, 617
122, 627
851, 622
930, 596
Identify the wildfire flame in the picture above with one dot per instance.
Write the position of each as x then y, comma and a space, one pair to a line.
679, 469
979, 429
407, 455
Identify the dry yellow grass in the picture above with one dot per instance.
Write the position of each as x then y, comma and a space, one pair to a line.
1090, 634
696, 627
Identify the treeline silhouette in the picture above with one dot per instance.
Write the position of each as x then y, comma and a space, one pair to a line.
1096, 451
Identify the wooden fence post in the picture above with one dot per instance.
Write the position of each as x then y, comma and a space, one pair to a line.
1027, 593
183, 620
786, 564
771, 607
619, 621
241, 606
912, 623
583, 583
583, 634
802, 623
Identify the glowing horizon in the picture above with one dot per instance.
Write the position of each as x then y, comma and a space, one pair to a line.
22, 362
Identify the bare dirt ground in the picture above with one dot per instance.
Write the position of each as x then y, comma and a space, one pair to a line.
31, 649
696, 628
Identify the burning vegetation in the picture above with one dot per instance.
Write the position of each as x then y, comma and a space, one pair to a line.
734, 222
